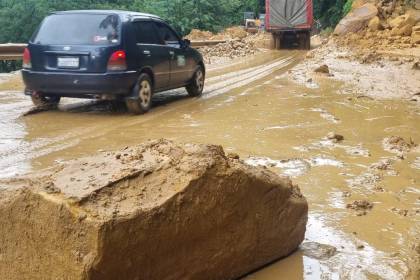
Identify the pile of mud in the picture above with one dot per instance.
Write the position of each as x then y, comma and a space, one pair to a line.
380, 26
156, 211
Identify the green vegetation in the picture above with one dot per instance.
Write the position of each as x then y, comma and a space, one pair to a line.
330, 12
347, 7
19, 19
326, 31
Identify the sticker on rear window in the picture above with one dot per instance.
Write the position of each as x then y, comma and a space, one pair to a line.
181, 60
100, 38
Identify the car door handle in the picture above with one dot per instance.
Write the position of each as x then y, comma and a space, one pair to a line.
147, 52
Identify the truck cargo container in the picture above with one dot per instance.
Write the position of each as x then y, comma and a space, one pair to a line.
290, 22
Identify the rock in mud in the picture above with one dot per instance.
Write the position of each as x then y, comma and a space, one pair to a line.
361, 206
375, 24
335, 137
415, 34
322, 69
155, 211
318, 251
396, 144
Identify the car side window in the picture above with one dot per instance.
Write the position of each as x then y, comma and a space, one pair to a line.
146, 33
168, 36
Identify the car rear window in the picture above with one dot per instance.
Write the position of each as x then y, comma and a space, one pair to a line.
79, 29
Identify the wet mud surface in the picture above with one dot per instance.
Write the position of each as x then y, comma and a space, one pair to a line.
363, 194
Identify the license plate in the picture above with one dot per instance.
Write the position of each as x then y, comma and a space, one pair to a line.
68, 62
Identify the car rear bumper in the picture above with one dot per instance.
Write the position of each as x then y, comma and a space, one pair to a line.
80, 84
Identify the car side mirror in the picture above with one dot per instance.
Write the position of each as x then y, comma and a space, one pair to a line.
186, 43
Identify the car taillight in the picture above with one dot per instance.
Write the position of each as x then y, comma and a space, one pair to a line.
117, 61
27, 59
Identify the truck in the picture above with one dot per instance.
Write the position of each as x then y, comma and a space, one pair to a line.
290, 23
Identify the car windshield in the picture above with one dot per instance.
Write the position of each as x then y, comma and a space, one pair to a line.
79, 29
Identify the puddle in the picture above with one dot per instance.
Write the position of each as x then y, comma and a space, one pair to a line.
294, 167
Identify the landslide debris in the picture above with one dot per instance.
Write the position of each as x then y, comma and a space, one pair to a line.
360, 206
238, 43
378, 28
230, 49
396, 144
230, 33
160, 210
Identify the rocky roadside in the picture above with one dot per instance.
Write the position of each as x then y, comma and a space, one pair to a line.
375, 48
386, 77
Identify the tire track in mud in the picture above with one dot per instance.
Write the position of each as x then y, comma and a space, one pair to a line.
221, 84
243, 79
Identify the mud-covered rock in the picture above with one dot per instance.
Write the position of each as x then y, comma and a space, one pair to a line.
403, 20
156, 211
396, 144
375, 24
322, 69
318, 251
335, 137
361, 207
415, 35
405, 30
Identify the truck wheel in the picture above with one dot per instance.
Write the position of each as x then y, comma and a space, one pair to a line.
305, 41
41, 100
308, 40
140, 101
196, 86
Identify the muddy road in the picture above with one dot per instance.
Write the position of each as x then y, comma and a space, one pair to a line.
253, 108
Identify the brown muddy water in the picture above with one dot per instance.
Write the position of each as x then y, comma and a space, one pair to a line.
251, 108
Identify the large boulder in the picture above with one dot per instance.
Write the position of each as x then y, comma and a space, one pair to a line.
356, 20
156, 211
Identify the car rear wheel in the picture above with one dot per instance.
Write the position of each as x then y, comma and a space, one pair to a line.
41, 100
140, 101
195, 88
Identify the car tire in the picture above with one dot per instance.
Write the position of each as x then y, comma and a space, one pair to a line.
140, 101
196, 86
40, 100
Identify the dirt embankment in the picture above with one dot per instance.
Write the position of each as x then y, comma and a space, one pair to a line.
239, 43
376, 29
369, 51
155, 211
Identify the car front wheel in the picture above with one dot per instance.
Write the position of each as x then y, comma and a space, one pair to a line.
140, 101
196, 86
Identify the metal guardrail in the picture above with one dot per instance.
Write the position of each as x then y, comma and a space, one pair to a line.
197, 44
11, 51
14, 51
